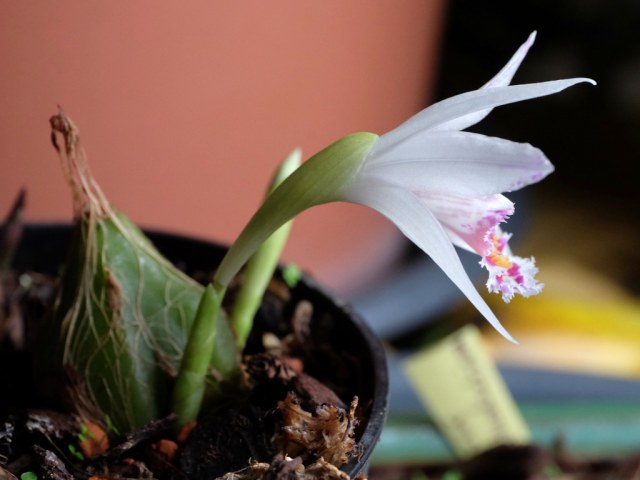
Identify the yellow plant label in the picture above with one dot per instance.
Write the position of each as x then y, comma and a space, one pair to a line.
467, 398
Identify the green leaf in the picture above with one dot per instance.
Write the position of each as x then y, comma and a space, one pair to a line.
123, 312
261, 266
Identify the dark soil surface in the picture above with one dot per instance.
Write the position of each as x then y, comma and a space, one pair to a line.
300, 420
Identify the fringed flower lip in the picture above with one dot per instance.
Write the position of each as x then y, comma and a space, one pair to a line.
441, 186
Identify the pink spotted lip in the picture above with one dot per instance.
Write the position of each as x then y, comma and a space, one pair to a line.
508, 274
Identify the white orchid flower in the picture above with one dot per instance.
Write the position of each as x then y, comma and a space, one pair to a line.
442, 187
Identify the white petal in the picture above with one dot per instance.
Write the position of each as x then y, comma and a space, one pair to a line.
458, 163
502, 78
412, 217
470, 102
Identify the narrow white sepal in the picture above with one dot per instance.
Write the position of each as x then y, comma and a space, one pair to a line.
470, 102
420, 226
501, 79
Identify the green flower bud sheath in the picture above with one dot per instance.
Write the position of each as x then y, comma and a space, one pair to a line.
319, 180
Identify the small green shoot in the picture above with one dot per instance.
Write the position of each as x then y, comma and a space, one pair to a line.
82, 436
28, 475
75, 452
84, 433
111, 428
291, 274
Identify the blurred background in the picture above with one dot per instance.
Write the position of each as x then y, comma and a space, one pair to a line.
185, 110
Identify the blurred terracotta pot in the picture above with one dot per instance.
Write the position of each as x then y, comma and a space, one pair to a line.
187, 108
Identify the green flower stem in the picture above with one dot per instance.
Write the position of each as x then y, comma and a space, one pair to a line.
321, 179
189, 388
262, 264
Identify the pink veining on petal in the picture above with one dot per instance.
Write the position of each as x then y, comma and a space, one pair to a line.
468, 219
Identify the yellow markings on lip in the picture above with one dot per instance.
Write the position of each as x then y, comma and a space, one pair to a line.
495, 255
500, 260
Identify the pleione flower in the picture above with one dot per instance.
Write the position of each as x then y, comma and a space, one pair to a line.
441, 186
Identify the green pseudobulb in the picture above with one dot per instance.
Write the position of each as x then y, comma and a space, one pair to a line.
123, 312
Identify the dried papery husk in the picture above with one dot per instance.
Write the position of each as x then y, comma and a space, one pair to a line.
286, 468
123, 312
328, 432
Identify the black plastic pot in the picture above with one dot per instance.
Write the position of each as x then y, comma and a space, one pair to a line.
44, 248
